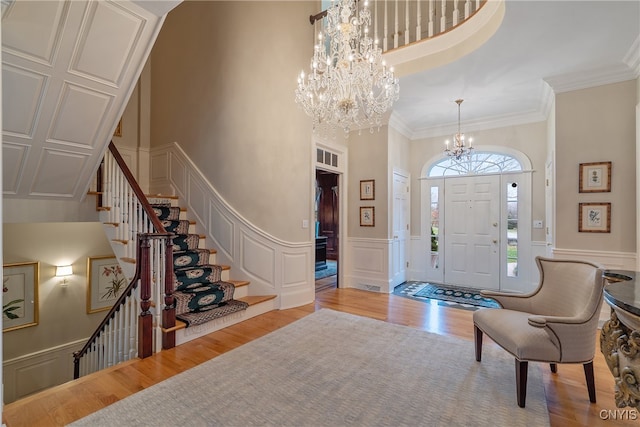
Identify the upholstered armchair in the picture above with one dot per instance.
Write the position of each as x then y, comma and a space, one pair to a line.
556, 323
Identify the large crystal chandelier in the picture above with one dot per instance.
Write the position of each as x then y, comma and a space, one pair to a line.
349, 86
459, 148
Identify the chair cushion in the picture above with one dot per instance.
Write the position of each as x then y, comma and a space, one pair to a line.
511, 330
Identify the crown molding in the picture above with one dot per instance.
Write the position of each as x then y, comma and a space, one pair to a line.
591, 78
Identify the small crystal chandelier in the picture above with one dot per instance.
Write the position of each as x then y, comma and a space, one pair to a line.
349, 86
459, 149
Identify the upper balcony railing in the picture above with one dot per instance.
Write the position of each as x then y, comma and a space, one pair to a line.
404, 22
398, 23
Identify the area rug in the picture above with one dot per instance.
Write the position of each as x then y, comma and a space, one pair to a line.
455, 294
337, 369
332, 269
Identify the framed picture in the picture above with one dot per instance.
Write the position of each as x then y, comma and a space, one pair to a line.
368, 189
367, 216
106, 282
594, 217
595, 177
20, 295
118, 131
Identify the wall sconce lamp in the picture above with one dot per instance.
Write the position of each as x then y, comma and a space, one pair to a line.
64, 271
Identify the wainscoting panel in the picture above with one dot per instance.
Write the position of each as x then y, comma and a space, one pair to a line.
130, 157
34, 372
369, 267
271, 265
222, 230
197, 200
177, 175
257, 258
295, 269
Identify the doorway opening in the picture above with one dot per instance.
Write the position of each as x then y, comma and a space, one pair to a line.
327, 229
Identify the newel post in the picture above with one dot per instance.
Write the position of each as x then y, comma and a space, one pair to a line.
145, 320
169, 312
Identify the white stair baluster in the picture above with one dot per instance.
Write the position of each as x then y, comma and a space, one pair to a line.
396, 32
419, 21
432, 13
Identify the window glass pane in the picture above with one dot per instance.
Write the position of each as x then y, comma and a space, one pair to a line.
512, 229
434, 231
478, 163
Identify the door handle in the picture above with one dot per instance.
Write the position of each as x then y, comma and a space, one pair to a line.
495, 241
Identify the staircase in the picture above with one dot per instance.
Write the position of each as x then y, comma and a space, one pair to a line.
206, 299
177, 291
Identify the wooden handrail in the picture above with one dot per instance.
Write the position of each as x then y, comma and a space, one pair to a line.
157, 225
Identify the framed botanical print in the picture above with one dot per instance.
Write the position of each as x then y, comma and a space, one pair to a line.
595, 177
367, 216
594, 217
368, 189
106, 282
20, 295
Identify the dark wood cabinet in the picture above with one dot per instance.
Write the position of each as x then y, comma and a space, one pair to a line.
321, 253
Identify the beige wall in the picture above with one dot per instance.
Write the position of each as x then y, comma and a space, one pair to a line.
368, 159
594, 125
62, 311
529, 139
222, 86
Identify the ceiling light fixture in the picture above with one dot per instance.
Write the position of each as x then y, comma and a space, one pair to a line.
349, 85
459, 148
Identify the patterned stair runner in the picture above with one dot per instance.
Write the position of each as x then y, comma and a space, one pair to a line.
201, 294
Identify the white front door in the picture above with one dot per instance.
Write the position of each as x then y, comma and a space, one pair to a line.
472, 231
400, 229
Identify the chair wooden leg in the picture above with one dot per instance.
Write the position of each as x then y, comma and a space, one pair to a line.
591, 384
554, 367
477, 334
521, 381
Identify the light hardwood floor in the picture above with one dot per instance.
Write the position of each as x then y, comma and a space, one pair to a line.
565, 391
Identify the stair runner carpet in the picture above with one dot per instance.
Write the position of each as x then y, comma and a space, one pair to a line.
200, 293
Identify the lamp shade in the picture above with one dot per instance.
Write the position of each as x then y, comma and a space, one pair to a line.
64, 270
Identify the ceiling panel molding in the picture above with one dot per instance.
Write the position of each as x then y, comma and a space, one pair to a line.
57, 173
23, 93
106, 62
79, 116
43, 23
14, 157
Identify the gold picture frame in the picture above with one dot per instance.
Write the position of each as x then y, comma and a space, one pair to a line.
105, 283
594, 217
118, 131
595, 177
368, 189
20, 295
367, 216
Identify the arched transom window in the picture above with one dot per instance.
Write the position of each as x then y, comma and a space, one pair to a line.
478, 163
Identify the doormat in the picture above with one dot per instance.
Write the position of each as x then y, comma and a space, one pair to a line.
411, 289
455, 294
